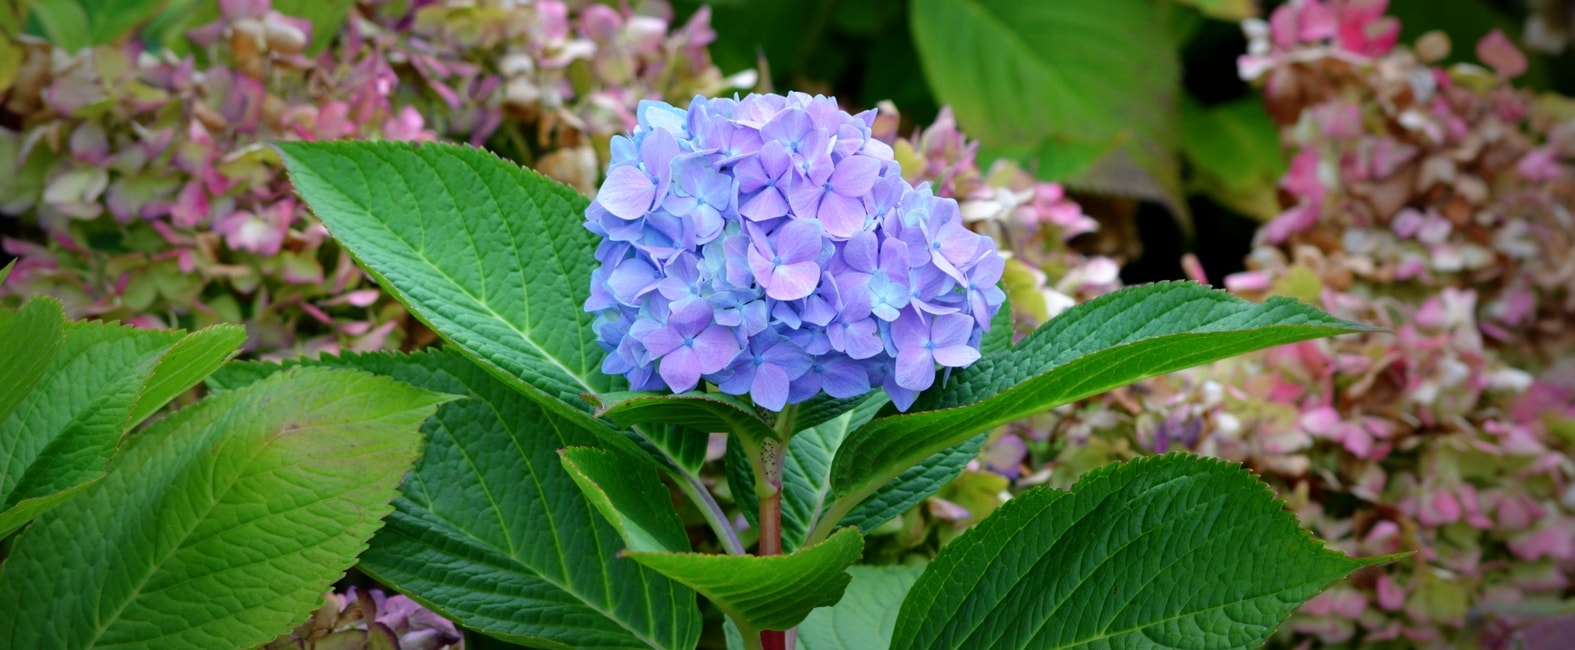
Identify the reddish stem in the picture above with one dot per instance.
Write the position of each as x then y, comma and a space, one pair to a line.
771, 531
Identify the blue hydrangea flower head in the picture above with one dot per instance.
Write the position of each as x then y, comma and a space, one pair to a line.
768, 245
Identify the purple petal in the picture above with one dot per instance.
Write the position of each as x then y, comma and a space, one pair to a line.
915, 369
909, 332
792, 281
768, 204
627, 193
844, 377
716, 347
950, 329
855, 176
804, 196
841, 215
798, 241
680, 369
860, 251
633, 278
956, 356
769, 388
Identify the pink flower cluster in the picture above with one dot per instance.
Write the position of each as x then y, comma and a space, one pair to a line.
364, 619
146, 194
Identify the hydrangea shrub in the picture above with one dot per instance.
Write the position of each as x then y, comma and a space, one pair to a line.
700, 292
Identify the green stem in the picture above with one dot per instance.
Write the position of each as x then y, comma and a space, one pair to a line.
691, 487
766, 458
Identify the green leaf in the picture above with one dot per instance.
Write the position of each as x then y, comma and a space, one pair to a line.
867, 613
5, 271
33, 336
765, 593
326, 16
1102, 344
76, 24
630, 496
864, 618
706, 412
491, 255
1228, 10
491, 531
1035, 76
221, 525
1165, 551
1234, 150
192, 358
104, 379
912, 486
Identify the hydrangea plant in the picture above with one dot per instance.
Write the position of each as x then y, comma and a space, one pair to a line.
697, 294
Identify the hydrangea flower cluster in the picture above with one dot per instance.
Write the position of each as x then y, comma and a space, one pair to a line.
769, 245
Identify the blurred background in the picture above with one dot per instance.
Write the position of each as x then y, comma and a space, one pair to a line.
1406, 163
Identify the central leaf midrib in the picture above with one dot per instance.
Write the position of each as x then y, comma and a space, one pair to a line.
524, 334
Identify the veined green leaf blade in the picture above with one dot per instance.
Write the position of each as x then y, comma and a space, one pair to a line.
492, 532
491, 255
1174, 551
630, 496
184, 365
221, 525
33, 335
1105, 343
765, 593
65, 430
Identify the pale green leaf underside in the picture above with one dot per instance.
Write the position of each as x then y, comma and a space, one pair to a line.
862, 620
221, 525
493, 256
1105, 343
103, 379
1028, 74
630, 495
494, 534
1170, 551
765, 593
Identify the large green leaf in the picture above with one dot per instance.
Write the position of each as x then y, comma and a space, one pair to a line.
76, 24
493, 533
221, 525
765, 593
1034, 78
491, 255
1168, 551
32, 336
1102, 344
862, 620
104, 379
1234, 150
630, 496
